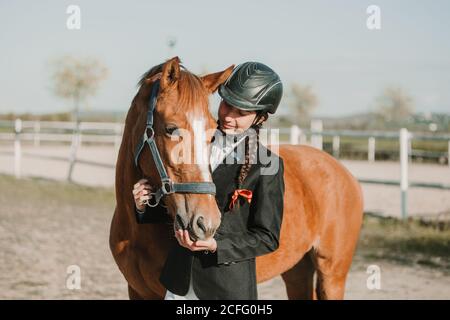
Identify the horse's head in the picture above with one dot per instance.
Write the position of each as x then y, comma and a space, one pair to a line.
183, 128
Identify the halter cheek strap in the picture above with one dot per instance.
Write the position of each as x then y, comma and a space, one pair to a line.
167, 185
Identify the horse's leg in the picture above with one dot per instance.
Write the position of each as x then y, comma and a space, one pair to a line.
330, 286
332, 265
299, 279
134, 295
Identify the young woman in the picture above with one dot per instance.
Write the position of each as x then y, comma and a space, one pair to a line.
249, 195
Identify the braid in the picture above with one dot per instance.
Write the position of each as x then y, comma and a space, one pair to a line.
244, 167
251, 148
251, 152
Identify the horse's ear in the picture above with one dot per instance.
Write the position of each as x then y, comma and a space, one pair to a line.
170, 73
153, 78
214, 80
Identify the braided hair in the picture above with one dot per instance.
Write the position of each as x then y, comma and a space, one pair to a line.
251, 142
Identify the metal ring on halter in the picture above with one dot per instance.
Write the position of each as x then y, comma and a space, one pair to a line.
146, 136
147, 202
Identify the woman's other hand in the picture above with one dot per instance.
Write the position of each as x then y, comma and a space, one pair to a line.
141, 192
185, 241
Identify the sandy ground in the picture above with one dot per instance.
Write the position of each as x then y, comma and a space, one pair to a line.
41, 239
382, 199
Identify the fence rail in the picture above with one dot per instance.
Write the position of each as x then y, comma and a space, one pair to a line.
101, 132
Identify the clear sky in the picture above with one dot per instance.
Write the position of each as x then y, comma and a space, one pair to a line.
325, 44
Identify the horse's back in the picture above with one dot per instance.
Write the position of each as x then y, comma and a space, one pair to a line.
315, 169
321, 198
326, 182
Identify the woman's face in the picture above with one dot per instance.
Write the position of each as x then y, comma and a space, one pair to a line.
233, 120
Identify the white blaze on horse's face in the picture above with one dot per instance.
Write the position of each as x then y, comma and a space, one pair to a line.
199, 145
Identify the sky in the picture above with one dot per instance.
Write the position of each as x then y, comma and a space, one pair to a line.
324, 44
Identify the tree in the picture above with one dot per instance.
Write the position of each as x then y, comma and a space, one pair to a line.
303, 102
77, 79
394, 105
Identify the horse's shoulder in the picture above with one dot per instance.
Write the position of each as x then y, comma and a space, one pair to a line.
270, 154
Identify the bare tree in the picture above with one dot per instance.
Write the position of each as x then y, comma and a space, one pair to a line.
303, 102
394, 105
77, 79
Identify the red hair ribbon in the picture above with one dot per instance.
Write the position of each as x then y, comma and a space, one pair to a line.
247, 194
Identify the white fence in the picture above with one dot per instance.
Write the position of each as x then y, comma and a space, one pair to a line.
62, 132
36, 132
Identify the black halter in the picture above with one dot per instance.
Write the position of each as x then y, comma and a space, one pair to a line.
167, 185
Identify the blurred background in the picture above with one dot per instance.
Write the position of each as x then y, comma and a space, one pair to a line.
366, 82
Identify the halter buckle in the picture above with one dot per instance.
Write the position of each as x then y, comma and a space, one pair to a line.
167, 186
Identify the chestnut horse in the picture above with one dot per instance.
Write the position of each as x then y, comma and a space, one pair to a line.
323, 202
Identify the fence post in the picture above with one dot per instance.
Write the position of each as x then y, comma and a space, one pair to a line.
37, 133
404, 137
316, 134
295, 134
76, 139
17, 149
371, 150
274, 137
79, 131
336, 146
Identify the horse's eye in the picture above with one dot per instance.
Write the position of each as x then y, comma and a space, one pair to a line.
172, 130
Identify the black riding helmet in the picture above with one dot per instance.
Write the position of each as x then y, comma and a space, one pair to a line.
253, 86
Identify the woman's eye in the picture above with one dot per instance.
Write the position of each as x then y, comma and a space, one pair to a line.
172, 130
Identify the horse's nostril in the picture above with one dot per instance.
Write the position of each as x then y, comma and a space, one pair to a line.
180, 222
200, 224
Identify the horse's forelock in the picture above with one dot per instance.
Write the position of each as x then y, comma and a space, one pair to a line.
192, 93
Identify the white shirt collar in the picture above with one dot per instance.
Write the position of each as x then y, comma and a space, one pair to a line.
221, 148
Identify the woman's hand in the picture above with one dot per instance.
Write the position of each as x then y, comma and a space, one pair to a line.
185, 241
141, 192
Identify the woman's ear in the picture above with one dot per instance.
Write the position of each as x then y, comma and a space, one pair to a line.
214, 80
262, 118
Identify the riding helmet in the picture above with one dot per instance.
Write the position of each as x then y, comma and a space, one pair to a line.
253, 86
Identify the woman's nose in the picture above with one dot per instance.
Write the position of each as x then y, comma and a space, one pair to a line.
228, 118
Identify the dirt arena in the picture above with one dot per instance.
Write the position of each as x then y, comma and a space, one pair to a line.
47, 226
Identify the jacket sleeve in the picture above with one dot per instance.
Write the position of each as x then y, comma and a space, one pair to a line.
152, 215
263, 232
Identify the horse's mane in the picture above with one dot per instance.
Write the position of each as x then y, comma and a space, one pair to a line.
190, 87
150, 73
